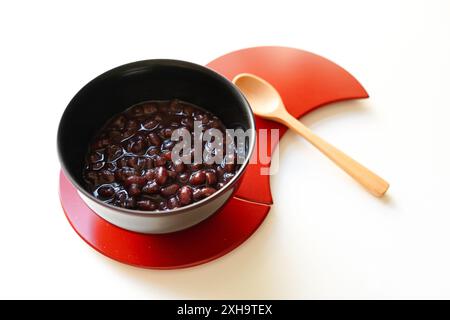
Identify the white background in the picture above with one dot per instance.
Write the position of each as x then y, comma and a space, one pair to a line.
325, 237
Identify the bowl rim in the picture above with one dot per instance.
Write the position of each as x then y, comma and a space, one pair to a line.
142, 64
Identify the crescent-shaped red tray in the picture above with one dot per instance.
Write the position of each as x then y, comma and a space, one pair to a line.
305, 82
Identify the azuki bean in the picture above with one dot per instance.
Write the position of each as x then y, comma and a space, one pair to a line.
149, 163
161, 175
128, 133
113, 152
122, 162
123, 173
154, 139
138, 180
178, 166
173, 203
95, 157
118, 122
151, 188
220, 170
130, 203
132, 124
146, 205
175, 106
115, 136
227, 177
149, 174
188, 110
172, 174
196, 166
153, 151
163, 205
120, 196
211, 178
106, 191
188, 123
229, 167
169, 190
197, 178
167, 155
150, 108
184, 177
106, 176
160, 161
203, 193
166, 133
91, 177
137, 111
134, 190
97, 165
135, 163
151, 124
220, 185
168, 144
207, 191
197, 194
185, 195
137, 145
111, 166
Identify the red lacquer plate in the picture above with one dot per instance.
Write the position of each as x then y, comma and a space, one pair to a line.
305, 82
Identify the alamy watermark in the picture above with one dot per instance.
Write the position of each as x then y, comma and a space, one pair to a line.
212, 147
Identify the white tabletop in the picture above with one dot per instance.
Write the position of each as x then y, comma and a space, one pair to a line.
325, 237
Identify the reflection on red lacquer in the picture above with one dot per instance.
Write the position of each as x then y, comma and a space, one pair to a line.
211, 239
304, 80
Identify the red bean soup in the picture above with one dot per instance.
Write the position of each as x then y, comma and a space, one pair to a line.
129, 162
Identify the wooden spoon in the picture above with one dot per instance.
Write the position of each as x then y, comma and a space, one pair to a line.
267, 103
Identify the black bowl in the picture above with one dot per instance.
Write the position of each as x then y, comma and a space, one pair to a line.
118, 89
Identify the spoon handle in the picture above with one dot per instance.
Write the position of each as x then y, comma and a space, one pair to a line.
372, 182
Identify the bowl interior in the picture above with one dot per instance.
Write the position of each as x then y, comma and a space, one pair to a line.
122, 87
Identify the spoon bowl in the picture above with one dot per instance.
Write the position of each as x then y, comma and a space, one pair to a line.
259, 93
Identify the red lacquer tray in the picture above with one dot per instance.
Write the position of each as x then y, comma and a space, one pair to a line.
305, 82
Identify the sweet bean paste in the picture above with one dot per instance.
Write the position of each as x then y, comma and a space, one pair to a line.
129, 163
